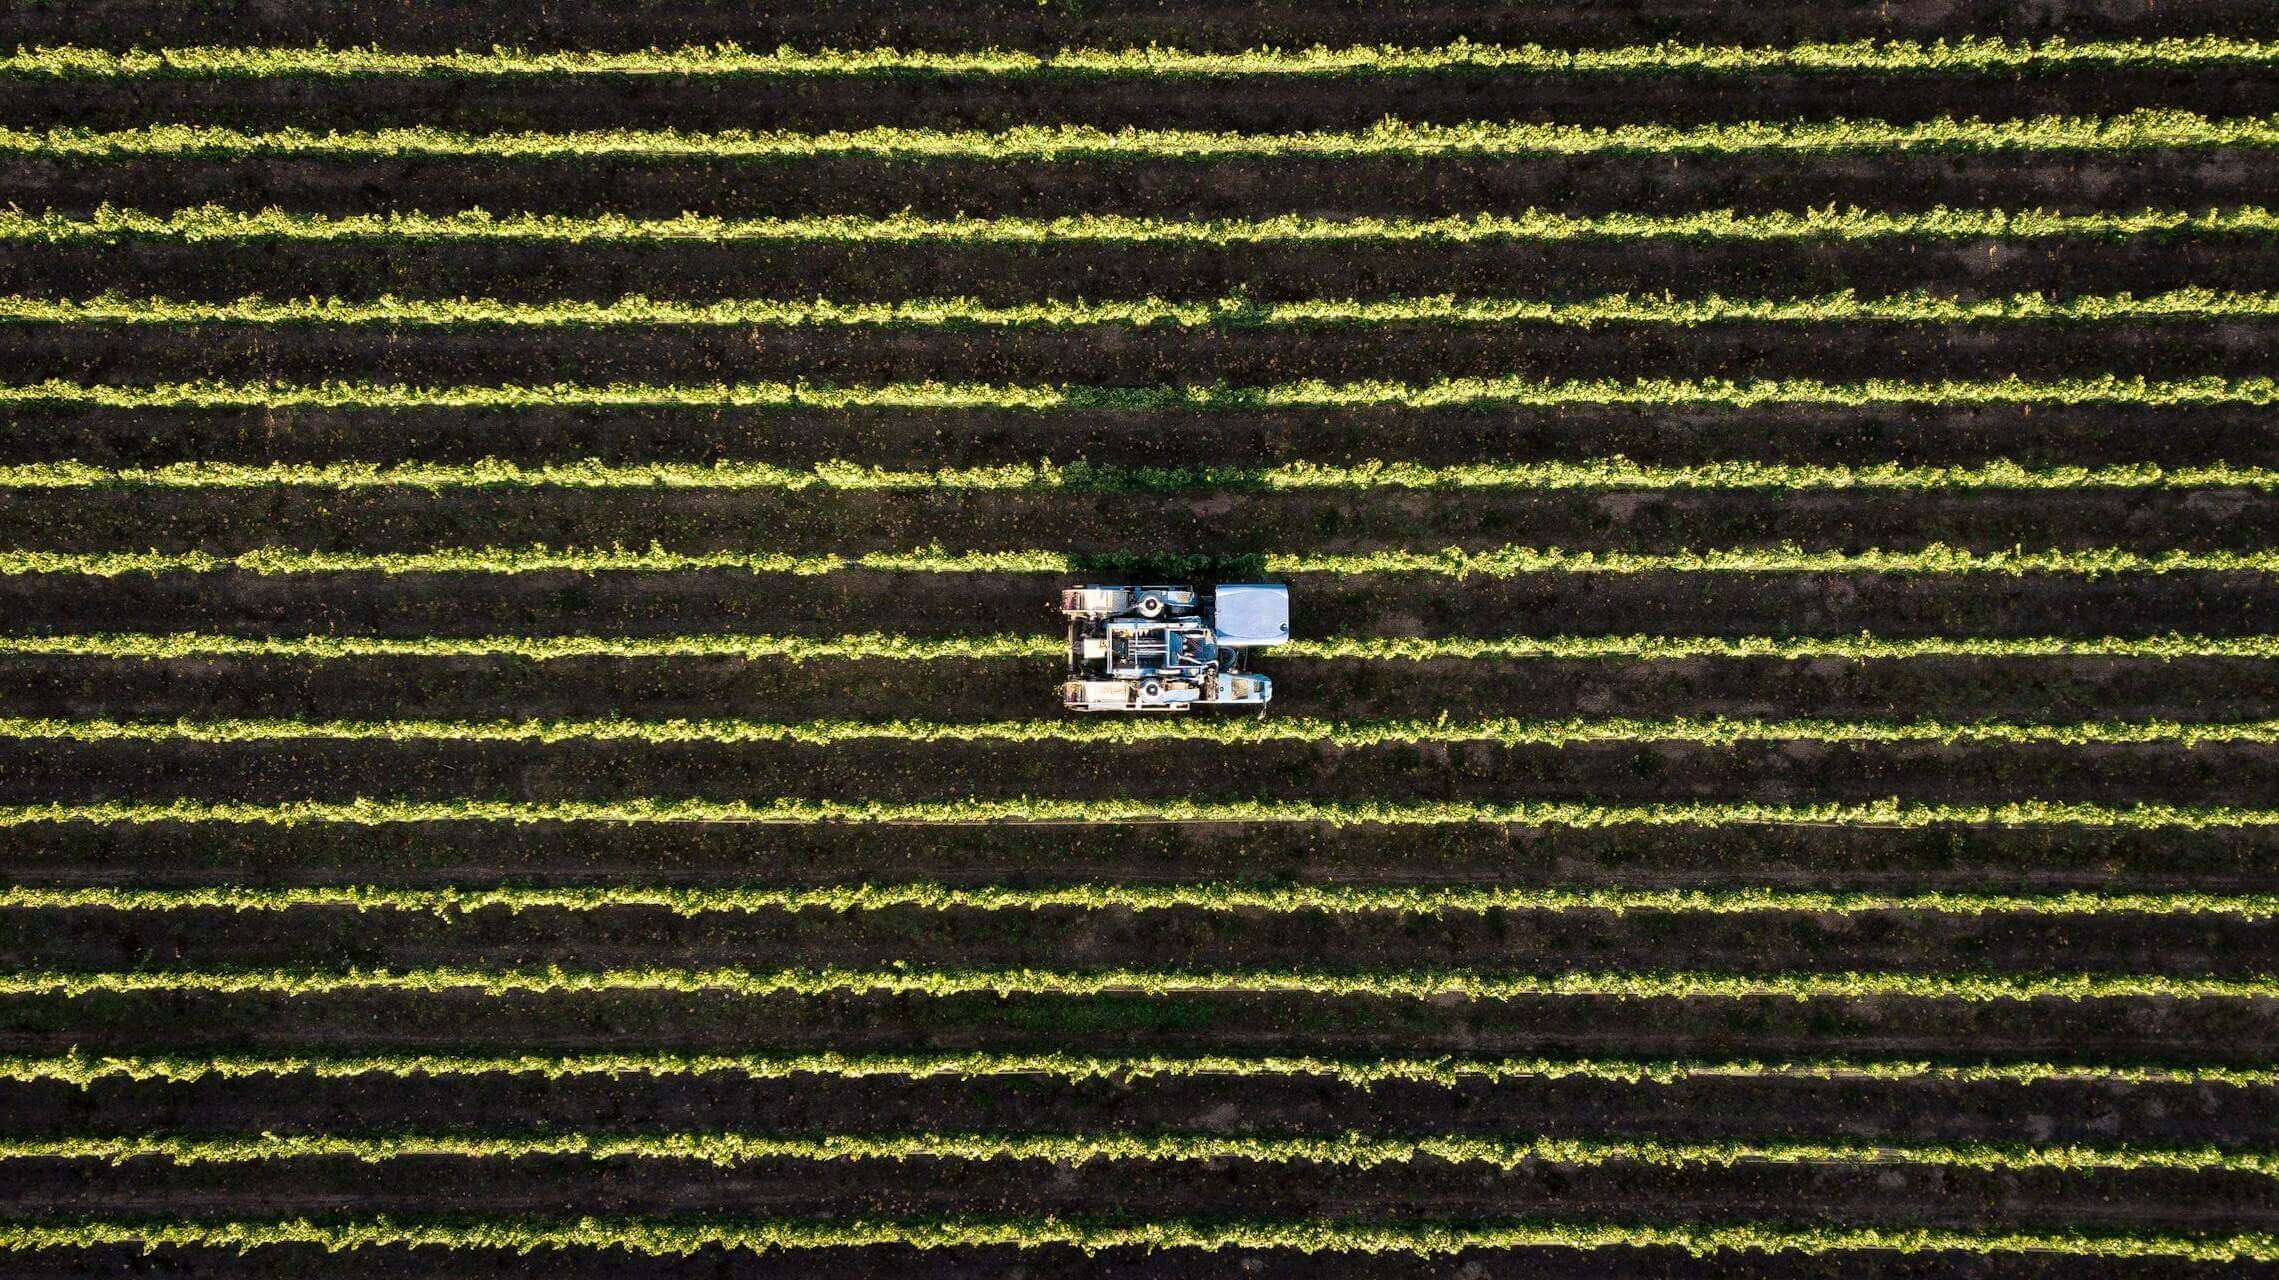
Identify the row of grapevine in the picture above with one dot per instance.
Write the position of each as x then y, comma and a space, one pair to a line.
1499, 562
1894, 813
1609, 473
2113, 389
1348, 1150
1967, 54
2130, 131
86, 1070
1281, 898
1915, 307
216, 223
908, 648
1468, 984
1711, 731
671, 1238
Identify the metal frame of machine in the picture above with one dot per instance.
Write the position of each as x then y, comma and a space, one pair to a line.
1170, 648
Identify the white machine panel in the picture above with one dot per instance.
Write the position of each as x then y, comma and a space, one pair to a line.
1252, 615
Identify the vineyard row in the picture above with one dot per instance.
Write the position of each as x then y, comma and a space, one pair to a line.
1453, 561
1308, 394
2128, 131
1605, 473
1893, 813
85, 1070
1710, 731
1917, 307
670, 1238
1964, 55
907, 648
1336, 898
1348, 1150
213, 222
916, 980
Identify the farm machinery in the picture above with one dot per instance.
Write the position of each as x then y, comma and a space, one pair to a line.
1170, 648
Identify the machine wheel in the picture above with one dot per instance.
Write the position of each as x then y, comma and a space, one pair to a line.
1151, 688
1151, 606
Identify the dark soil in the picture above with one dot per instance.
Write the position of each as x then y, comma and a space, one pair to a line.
1101, 270
1020, 24
909, 773
727, 854
805, 1189
1106, 525
1126, 356
1720, 604
2050, 689
2221, 1032
1700, 1110
924, 440
1068, 1264
1495, 942
1244, 103
1178, 187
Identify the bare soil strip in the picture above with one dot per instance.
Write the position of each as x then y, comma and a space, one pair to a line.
1076, 939
1123, 355
1186, 23
1613, 774
1266, 103
699, 270
2238, 1033
2051, 690
1737, 604
1866, 1196
1873, 859
821, 522
2077, 182
1901, 1112
2033, 436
